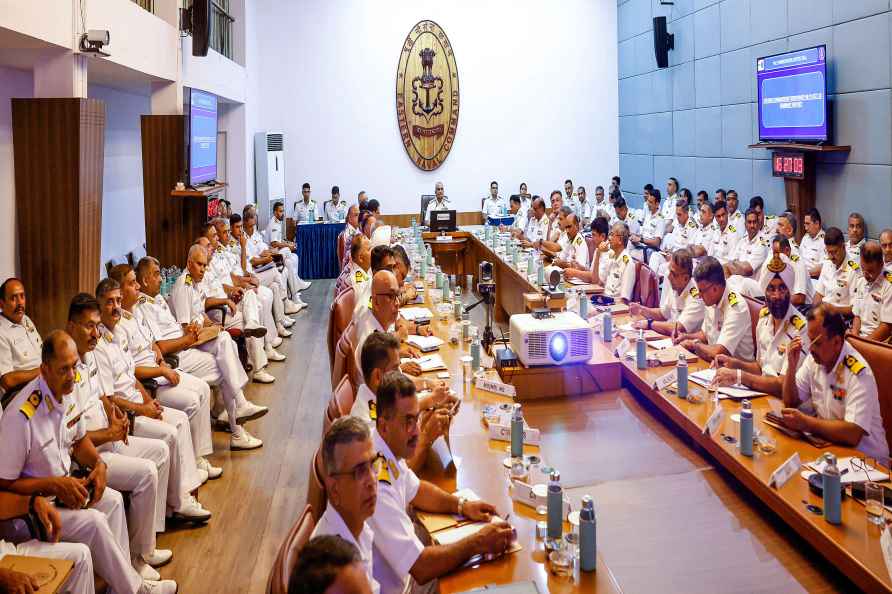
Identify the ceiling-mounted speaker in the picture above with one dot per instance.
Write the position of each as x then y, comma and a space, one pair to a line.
663, 42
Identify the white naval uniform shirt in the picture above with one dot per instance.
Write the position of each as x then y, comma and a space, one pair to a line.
849, 393
436, 206
706, 237
771, 347
853, 251
685, 308
117, 369
603, 264
304, 210
606, 207
366, 323
37, 433
739, 221
728, 323
494, 207
630, 221
654, 226
396, 547
275, 230
20, 345
138, 338
554, 232
812, 249
770, 226
187, 298
331, 523
576, 251
335, 213
87, 394
667, 207
681, 236
835, 284
726, 244
360, 280
584, 210
520, 220
872, 302
255, 244
365, 402
154, 314
620, 281
754, 251
536, 228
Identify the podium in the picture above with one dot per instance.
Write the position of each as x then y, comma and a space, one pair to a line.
795, 162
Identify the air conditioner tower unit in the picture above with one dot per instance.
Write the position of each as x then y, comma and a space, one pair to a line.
269, 174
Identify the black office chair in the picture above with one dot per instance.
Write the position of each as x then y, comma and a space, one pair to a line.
426, 199
136, 255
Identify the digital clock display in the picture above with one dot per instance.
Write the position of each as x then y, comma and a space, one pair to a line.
788, 165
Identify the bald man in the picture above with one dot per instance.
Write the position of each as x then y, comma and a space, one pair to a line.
381, 313
886, 246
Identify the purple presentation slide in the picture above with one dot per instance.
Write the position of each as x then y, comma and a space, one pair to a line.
793, 95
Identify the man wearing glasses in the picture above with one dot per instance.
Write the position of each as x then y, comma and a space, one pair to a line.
351, 488
835, 387
681, 309
380, 312
726, 324
619, 278
779, 323
399, 553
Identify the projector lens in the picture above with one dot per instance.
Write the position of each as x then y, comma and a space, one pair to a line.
557, 346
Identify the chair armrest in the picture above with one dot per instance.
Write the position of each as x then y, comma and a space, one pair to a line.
222, 308
172, 360
150, 385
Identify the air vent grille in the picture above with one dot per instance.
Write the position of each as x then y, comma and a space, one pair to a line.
274, 142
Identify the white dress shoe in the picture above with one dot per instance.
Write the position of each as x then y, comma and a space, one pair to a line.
242, 440
277, 342
287, 322
274, 355
251, 411
202, 475
292, 307
262, 377
191, 510
158, 557
158, 587
303, 285
223, 419
213, 472
145, 571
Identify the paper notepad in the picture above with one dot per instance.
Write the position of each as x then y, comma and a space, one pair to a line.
49, 573
429, 363
850, 473
434, 522
663, 343
414, 314
425, 344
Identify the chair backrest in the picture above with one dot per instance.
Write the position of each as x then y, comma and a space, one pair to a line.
136, 255
340, 405
754, 307
340, 314
288, 554
879, 356
316, 497
341, 247
426, 199
646, 291
345, 358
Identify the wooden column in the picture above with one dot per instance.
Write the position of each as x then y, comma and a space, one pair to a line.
801, 194
58, 153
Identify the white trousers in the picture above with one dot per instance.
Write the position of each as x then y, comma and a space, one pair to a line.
103, 528
142, 468
80, 580
276, 281
192, 396
217, 363
173, 430
268, 314
247, 316
291, 271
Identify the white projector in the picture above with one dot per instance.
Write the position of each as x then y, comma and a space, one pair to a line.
563, 338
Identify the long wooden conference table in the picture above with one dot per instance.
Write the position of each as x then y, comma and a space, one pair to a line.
670, 516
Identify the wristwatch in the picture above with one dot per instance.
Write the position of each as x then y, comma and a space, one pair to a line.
461, 505
650, 324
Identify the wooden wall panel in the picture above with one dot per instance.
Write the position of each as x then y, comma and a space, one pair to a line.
58, 148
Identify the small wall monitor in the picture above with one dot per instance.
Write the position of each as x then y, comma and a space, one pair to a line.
792, 95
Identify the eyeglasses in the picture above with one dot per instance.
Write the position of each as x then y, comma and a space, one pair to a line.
360, 471
388, 295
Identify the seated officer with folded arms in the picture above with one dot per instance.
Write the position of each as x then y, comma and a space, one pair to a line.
41, 510
351, 488
19, 339
117, 381
399, 554
599, 229
215, 361
872, 301
834, 393
618, 278
779, 323
329, 565
380, 355
176, 389
42, 430
137, 465
838, 275
575, 252
750, 251
681, 309
726, 323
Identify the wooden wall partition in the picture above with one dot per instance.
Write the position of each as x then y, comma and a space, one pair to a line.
58, 153
172, 223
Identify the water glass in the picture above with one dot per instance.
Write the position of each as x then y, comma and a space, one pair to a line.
873, 500
469, 283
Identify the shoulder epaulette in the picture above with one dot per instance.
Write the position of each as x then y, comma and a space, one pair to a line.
732, 298
853, 265
732, 228
794, 258
888, 275
126, 314
625, 258
382, 471
797, 322
358, 276
189, 279
578, 240
769, 217
764, 242
695, 292
373, 410
142, 299
763, 312
108, 337
29, 407
854, 365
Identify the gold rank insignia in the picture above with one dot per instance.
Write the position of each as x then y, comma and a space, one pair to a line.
732, 228
625, 258
77, 377
189, 279
127, 315
692, 225
108, 337
373, 410
359, 276
797, 322
578, 240
794, 258
695, 292
383, 470
30, 405
764, 312
888, 276
732, 298
853, 364
142, 299
853, 265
